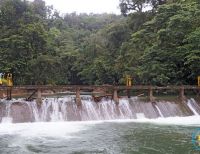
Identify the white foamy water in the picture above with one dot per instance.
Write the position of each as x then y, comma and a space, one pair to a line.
184, 121
6, 120
140, 115
51, 129
68, 129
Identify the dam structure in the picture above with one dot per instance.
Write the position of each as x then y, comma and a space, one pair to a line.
89, 103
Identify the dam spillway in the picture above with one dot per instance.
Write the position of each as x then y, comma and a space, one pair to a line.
65, 109
132, 126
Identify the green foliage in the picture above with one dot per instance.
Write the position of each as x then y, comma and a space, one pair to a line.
170, 58
157, 46
128, 6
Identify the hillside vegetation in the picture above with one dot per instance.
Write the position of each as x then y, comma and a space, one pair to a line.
157, 46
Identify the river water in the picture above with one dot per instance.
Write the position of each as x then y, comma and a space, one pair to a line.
140, 136
59, 127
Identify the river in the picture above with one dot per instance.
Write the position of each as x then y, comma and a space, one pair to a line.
141, 136
59, 127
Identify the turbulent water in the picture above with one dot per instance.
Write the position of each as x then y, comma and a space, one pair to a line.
133, 127
100, 137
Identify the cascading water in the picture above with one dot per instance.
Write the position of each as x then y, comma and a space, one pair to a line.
140, 115
7, 118
52, 109
125, 109
65, 109
159, 111
193, 106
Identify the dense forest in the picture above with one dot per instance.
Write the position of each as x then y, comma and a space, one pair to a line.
157, 42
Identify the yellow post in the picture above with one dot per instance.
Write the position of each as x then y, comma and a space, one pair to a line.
1, 76
128, 84
199, 81
9, 80
128, 81
198, 138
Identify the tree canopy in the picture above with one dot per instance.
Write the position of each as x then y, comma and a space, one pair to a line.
156, 42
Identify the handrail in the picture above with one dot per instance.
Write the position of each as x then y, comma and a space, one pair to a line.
93, 87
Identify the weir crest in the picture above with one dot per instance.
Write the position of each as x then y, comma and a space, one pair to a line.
65, 109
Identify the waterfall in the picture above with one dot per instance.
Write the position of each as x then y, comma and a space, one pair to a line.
65, 109
89, 110
107, 109
140, 115
52, 109
159, 111
7, 118
191, 104
125, 109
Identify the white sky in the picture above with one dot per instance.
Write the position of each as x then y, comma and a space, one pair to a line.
85, 6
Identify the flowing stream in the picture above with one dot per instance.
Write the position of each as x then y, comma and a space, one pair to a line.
132, 127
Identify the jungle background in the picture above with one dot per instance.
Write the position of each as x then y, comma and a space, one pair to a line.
157, 42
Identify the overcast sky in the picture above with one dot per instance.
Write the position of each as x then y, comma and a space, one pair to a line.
85, 6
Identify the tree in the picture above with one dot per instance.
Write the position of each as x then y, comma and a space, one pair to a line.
127, 6
23, 38
171, 57
158, 46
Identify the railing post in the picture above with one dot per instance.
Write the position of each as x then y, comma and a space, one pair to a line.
78, 98
1, 94
182, 95
128, 93
151, 97
115, 97
39, 97
9, 93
